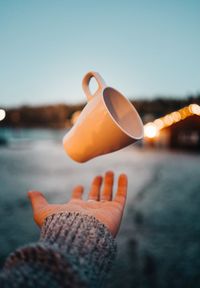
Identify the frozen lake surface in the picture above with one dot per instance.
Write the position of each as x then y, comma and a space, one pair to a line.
159, 240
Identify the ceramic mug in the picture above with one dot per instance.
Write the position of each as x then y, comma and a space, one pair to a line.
108, 122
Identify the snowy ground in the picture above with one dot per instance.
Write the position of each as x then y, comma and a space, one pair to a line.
159, 240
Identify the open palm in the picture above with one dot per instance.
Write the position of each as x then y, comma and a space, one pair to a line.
100, 203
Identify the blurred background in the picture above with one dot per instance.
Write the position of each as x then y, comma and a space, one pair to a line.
148, 50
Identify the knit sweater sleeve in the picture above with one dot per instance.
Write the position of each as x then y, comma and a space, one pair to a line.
74, 250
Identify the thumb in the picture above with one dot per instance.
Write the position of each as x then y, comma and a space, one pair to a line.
37, 199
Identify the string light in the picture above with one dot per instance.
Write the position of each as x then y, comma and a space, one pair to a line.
176, 116
159, 123
152, 129
195, 109
168, 120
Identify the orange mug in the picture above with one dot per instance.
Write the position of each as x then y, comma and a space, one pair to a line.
107, 123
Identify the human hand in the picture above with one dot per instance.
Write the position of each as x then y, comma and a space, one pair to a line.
100, 203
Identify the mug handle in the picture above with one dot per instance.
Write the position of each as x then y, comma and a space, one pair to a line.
86, 82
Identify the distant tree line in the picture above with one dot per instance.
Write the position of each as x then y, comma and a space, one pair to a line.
59, 116
50, 116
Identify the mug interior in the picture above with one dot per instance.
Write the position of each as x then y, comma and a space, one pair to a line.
123, 113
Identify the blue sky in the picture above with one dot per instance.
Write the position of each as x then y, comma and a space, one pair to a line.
142, 48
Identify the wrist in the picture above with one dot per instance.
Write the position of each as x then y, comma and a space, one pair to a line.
85, 241
73, 227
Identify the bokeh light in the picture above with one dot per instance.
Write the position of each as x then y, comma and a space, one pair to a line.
75, 117
195, 109
176, 116
159, 123
150, 130
2, 114
168, 120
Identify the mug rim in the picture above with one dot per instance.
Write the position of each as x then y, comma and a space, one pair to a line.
133, 110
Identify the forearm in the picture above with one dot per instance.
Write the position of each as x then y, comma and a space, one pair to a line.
74, 251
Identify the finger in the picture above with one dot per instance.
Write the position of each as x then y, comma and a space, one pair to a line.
108, 186
95, 188
122, 190
77, 192
37, 199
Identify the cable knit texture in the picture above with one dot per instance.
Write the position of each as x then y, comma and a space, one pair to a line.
74, 250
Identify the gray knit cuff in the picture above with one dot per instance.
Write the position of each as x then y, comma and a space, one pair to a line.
86, 241
74, 250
